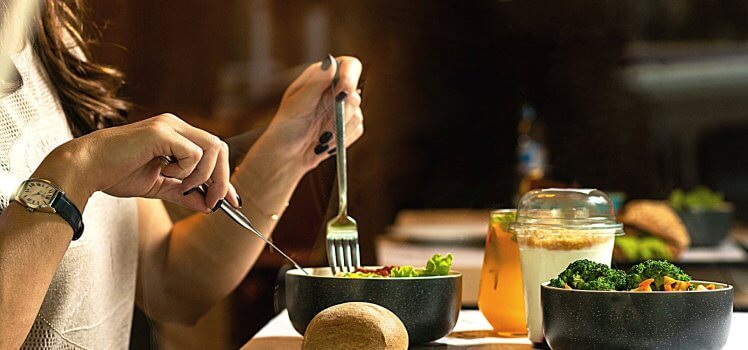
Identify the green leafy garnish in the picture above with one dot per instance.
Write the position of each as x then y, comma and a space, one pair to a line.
504, 219
699, 198
635, 248
438, 265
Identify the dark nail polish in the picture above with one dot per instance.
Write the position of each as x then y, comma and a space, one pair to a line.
341, 96
326, 62
239, 199
332, 151
325, 137
189, 191
320, 149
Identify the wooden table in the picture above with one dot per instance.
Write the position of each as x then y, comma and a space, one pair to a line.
471, 332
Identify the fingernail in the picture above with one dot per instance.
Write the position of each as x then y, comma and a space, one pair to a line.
320, 148
341, 96
332, 151
326, 62
325, 137
239, 200
189, 191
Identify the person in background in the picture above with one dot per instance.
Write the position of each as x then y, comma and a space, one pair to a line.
66, 144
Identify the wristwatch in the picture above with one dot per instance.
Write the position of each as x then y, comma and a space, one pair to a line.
44, 196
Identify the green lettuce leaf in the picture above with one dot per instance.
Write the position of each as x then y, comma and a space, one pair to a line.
405, 271
438, 265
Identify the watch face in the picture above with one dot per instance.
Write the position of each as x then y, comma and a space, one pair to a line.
37, 194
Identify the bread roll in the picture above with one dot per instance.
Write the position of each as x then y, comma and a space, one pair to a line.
356, 326
657, 219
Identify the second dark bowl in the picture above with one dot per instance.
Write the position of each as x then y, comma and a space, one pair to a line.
584, 319
428, 306
707, 227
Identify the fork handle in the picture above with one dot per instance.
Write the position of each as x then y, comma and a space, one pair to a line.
341, 155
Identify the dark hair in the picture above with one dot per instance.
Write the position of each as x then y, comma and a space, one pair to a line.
88, 91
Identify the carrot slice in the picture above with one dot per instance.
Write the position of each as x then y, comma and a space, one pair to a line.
668, 288
711, 287
684, 285
644, 286
646, 283
566, 286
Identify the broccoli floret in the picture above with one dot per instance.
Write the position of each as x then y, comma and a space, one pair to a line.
656, 269
599, 285
557, 282
589, 275
611, 279
617, 278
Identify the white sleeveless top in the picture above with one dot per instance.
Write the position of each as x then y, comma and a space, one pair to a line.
90, 301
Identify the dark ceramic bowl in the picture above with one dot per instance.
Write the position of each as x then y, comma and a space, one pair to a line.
428, 306
583, 319
707, 227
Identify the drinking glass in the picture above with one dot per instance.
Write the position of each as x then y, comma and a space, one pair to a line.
500, 296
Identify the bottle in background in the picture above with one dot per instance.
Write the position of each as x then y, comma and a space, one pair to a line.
532, 155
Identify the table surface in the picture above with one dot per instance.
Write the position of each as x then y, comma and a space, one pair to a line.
471, 332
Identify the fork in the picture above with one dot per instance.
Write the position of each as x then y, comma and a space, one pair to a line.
342, 232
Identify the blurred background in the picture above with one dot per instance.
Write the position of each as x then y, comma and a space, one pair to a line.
467, 105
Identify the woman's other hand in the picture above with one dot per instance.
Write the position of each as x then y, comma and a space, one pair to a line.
126, 161
305, 123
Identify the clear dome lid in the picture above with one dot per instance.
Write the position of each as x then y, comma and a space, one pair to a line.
568, 209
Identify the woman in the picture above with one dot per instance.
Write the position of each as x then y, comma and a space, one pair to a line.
61, 121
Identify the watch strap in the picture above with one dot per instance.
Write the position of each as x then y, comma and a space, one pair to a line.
68, 211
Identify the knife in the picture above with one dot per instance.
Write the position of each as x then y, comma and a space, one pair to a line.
237, 216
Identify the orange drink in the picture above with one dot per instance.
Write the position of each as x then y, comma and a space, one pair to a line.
500, 297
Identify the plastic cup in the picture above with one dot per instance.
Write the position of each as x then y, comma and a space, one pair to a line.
554, 228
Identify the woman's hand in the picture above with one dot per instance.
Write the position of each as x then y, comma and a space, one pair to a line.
126, 161
305, 123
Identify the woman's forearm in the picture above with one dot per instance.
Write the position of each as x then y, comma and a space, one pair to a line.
239, 145
32, 245
212, 254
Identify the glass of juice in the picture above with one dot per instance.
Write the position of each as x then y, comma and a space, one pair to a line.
554, 228
500, 297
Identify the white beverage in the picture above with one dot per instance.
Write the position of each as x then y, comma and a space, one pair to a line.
544, 257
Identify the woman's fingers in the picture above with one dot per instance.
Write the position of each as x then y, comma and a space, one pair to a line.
220, 186
354, 128
306, 90
186, 153
165, 188
171, 190
213, 164
203, 171
349, 72
352, 104
310, 85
